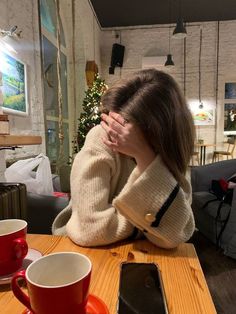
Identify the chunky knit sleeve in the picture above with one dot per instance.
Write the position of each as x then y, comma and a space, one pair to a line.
144, 196
108, 199
94, 182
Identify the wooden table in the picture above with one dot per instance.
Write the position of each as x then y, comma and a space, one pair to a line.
203, 151
185, 286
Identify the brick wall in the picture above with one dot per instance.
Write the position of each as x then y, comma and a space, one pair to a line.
153, 41
24, 14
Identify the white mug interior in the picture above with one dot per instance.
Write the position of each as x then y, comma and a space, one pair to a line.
58, 269
9, 226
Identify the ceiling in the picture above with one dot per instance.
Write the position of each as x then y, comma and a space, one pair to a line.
123, 13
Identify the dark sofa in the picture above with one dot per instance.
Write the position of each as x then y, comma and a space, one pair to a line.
205, 218
42, 209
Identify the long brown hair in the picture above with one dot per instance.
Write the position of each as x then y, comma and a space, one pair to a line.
153, 100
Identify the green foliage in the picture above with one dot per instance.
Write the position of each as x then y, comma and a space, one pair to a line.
16, 102
11, 81
20, 70
91, 113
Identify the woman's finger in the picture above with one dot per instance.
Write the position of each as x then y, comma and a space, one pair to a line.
110, 132
118, 118
115, 125
110, 144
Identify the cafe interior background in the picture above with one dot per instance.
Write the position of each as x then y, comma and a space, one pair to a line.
84, 31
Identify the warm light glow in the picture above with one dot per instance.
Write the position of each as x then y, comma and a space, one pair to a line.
179, 35
5, 46
194, 103
202, 115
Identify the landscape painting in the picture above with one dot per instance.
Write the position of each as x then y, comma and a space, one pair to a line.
13, 84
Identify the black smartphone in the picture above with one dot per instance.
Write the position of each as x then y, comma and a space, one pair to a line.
141, 289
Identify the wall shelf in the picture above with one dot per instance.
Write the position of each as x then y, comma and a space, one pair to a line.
15, 140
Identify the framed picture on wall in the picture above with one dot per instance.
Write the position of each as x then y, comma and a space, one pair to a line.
13, 84
203, 116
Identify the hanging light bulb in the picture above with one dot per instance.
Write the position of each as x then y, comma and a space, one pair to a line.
200, 105
180, 30
200, 74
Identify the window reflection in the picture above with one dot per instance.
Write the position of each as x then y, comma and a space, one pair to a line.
230, 90
49, 56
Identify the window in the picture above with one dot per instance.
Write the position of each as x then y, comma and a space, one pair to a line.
230, 108
49, 62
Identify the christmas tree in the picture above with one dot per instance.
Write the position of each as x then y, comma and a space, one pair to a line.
90, 115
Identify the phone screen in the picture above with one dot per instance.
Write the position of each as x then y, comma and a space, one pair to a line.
141, 290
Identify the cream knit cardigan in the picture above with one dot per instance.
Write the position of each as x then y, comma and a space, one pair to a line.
109, 197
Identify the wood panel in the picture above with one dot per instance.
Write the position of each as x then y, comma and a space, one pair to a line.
14, 140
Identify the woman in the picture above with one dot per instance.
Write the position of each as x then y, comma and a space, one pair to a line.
131, 173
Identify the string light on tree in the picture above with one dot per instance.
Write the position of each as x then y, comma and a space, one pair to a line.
90, 115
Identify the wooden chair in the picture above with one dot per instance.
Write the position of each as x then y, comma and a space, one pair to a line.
229, 152
195, 154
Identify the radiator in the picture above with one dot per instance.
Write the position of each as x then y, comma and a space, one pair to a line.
13, 201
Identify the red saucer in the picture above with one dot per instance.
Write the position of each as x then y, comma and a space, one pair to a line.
94, 306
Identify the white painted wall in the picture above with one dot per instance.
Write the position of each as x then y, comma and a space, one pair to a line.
87, 47
153, 41
87, 43
24, 14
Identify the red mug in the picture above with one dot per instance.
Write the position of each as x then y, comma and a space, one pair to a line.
13, 245
56, 283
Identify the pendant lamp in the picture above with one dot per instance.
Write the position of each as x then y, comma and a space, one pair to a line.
200, 73
169, 62
180, 30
